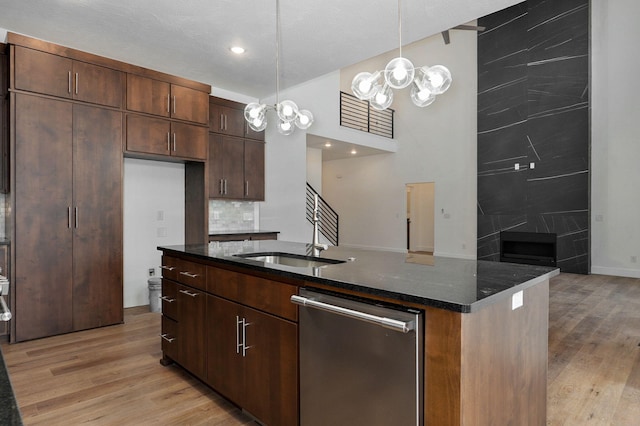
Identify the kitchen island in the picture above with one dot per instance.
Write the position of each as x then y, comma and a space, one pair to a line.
485, 328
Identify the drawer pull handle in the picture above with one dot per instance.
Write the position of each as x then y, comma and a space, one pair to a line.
167, 299
188, 293
190, 275
168, 339
168, 268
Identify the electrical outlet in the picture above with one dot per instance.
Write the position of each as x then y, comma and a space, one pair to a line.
152, 272
517, 300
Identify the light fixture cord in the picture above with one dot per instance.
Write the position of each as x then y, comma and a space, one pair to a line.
400, 25
277, 52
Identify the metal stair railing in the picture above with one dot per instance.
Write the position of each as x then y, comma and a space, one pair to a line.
329, 219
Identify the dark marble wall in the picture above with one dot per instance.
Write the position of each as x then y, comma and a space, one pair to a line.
533, 110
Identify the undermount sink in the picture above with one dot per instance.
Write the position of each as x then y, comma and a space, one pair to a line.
289, 259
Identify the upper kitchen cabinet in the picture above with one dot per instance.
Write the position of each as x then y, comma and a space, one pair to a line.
227, 117
236, 168
165, 99
158, 136
49, 74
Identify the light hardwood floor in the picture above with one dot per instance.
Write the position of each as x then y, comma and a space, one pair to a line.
112, 375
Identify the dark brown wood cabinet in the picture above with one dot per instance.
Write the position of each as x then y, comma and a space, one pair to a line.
226, 120
68, 217
4, 118
49, 74
236, 332
236, 168
157, 136
165, 99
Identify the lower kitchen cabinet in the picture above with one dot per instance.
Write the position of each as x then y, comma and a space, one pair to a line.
191, 326
252, 359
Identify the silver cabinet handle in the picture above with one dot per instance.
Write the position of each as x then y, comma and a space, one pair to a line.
226, 123
174, 104
188, 274
238, 333
69, 217
168, 103
167, 299
169, 141
76, 83
221, 121
69, 82
75, 211
188, 293
246, 188
225, 187
397, 325
174, 142
168, 339
221, 192
245, 324
168, 268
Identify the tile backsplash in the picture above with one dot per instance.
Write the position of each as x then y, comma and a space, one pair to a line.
233, 215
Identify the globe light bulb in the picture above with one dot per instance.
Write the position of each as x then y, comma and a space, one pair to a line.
437, 79
253, 111
287, 110
304, 119
383, 98
285, 127
399, 73
364, 85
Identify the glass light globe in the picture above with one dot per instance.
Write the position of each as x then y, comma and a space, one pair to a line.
364, 85
253, 111
259, 123
287, 110
399, 73
304, 120
437, 79
285, 127
382, 100
422, 96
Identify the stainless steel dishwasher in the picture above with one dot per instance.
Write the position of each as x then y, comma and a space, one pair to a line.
360, 363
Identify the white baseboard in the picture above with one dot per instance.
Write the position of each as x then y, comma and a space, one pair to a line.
616, 272
455, 255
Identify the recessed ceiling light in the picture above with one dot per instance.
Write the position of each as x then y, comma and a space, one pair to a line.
237, 50
327, 144
353, 151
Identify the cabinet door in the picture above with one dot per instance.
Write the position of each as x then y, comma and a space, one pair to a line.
271, 368
43, 199
254, 170
189, 141
98, 85
97, 222
215, 162
191, 326
225, 120
148, 95
224, 359
170, 341
148, 135
41, 72
189, 104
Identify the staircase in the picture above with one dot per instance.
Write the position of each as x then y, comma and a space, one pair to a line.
329, 219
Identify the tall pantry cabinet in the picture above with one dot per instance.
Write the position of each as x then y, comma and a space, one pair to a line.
67, 200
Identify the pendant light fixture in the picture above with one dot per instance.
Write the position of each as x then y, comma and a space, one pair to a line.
398, 74
289, 116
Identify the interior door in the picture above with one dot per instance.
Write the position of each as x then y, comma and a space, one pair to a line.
97, 217
43, 199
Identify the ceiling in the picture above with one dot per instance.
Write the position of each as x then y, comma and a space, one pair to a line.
333, 149
191, 39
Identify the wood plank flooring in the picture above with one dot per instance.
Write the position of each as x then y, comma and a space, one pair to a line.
112, 375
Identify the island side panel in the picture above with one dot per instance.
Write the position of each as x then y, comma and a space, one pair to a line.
442, 367
504, 361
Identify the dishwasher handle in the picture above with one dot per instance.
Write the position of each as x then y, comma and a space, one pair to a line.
390, 323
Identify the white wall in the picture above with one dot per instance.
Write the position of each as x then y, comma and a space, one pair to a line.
615, 140
150, 187
314, 168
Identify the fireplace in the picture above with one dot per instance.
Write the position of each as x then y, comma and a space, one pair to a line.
532, 248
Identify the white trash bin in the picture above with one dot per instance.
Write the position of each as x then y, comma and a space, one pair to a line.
155, 291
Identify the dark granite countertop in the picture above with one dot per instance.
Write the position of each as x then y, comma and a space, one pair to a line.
454, 284
243, 231
9, 413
